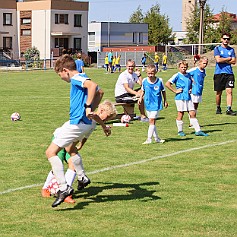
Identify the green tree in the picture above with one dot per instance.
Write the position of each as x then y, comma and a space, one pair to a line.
193, 24
137, 16
159, 31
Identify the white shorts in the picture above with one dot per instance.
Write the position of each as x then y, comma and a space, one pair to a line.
184, 105
196, 98
152, 114
70, 133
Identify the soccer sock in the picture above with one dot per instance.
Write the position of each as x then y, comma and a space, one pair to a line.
57, 167
48, 179
228, 107
77, 162
195, 124
150, 131
155, 133
70, 176
179, 124
190, 118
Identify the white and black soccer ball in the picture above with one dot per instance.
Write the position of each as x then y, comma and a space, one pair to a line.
15, 116
125, 118
53, 186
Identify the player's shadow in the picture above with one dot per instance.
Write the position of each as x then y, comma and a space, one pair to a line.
178, 139
94, 194
217, 124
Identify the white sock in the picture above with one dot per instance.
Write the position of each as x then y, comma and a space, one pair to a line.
48, 179
155, 133
179, 124
190, 118
195, 124
70, 176
57, 167
150, 131
78, 165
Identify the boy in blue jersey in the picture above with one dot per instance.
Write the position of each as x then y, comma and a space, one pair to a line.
183, 84
82, 93
198, 74
79, 63
152, 91
224, 77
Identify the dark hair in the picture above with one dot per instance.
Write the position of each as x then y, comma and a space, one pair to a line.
65, 61
224, 33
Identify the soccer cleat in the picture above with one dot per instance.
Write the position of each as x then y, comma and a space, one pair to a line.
69, 199
144, 120
181, 134
201, 133
159, 140
61, 195
218, 111
230, 112
147, 142
83, 182
45, 192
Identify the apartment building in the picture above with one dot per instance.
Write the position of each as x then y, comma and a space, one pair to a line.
49, 25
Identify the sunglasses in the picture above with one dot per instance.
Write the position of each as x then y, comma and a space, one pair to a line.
226, 38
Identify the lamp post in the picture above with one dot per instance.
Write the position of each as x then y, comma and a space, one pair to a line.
202, 4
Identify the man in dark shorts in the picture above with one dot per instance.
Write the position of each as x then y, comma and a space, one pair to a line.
224, 77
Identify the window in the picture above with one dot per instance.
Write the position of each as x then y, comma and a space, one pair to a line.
77, 43
7, 18
61, 18
91, 36
7, 42
25, 32
61, 43
25, 21
134, 38
140, 38
77, 20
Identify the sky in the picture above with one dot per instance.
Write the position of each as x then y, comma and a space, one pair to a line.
121, 10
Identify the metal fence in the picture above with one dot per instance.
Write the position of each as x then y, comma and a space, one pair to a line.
136, 56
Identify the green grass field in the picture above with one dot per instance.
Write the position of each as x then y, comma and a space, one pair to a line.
184, 187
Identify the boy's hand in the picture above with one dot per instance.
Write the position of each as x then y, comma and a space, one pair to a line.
166, 104
179, 90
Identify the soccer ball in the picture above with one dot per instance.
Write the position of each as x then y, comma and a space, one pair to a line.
125, 118
15, 116
53, 186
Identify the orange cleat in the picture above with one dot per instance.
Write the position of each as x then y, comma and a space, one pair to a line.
69, 199
45, 193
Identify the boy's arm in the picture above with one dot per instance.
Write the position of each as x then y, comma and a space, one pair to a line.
107, 129
141, 97
91, 90
164, 99
168, 84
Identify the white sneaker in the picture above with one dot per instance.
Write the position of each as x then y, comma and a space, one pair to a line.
144, 120
147, 142
159, 140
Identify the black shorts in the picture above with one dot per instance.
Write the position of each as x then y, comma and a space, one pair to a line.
223, 81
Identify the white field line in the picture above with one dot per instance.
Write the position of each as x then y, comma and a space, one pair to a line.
129, 164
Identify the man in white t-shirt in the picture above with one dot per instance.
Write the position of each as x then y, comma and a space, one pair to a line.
124, 89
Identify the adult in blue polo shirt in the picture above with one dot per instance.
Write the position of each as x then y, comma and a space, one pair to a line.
224, 77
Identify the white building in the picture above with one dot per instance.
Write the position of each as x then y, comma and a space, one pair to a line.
112, 34
49, 25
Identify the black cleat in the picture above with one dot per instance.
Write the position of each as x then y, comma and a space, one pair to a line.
218, 111
230, 112
83, 182
61, 195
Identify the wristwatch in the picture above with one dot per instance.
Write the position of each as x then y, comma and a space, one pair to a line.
87, 106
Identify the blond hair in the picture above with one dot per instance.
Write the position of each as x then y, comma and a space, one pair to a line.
150, 67
109, 108
183, 62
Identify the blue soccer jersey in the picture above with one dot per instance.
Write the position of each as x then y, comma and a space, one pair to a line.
152, 94
78, 97
198, 80
79, 65
183, 81
224, 53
